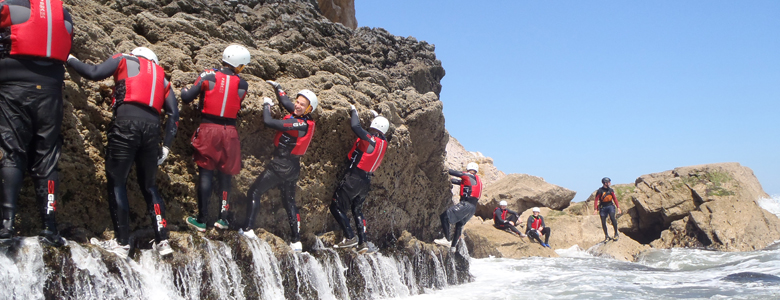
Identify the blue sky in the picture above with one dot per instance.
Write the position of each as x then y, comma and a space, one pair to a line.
573, 91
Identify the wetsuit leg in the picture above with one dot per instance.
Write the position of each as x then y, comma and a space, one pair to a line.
603, 214
46, 196
287, 189
534, 236
120, 154
225, 186
360, 220
146, 170
546, 233
458, 231
445, 224
205, 180
11, 186
267, 180
614, 221
337, 209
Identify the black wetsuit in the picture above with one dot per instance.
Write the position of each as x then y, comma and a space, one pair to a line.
206, 82
133, 138
284, 168
607, 208
30, 117
460, 213
502, 217
356, 183
531, 230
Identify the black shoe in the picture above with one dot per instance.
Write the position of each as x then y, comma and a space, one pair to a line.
607, 239
617, 236
52, 238
6, 234
362, 248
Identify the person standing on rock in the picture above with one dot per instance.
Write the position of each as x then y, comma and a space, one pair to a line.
504, 218
216, 143
293, 136
605, 204
459, 214
364, 158
35, 39
536, 228
141, 93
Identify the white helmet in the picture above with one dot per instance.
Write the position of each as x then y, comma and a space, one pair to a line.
236, 56
502, 203
536, 209
380, 123
145, 53
472, 166
309, 95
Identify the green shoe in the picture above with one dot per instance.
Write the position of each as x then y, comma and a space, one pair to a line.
221, 224
193, 222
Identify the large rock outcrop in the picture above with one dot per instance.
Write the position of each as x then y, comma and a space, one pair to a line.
293, 44
522, 192
339, 11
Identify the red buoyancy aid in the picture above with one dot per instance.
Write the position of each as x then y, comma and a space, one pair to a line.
369, 162
301, 142
223, 100
476, 190
537, 223
504, 212
147, 87
44, 34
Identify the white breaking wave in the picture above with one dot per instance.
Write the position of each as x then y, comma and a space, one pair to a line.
771, 204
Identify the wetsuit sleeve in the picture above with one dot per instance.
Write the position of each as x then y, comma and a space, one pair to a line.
172, 110
359, 131
68, 22
513, 212
597, 200
455, 173
529, 223
96, 72
282, 125
187, 95
543, 225
614, 199
284, 100
456, 181
243, 88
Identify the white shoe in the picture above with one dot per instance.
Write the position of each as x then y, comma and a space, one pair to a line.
453, 249
297, 247
443, 242
112, 246
249, 234
163, 248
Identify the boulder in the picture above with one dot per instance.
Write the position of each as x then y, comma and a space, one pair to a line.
522, 192
624, 249
483, 240
458, 157
339, 11
292, 43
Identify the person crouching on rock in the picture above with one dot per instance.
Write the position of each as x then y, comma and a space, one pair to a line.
32, 49
294, 133
141, 93
605, 205
216, 143
504, 218
459, 214
365, 157
536, 228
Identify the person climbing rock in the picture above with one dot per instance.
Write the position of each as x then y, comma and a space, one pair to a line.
141, 94
217, 147
363, 159
536, 228
504, 219
605, 204
293, 136
33, 47
460, 213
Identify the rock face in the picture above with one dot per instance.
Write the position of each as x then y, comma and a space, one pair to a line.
292, 43
458, 157
522, 192
483, 240
339, 11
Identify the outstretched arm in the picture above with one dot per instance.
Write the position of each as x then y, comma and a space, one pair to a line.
96, 72
358, 130
281, 95
172, 123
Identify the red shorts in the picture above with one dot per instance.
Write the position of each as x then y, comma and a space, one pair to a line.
217, 148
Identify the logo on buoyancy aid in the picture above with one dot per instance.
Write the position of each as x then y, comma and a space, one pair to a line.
158, 217
42, 6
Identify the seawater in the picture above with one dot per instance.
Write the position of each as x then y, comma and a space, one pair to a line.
658, 274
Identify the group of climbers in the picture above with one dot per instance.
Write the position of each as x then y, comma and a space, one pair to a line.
31, 81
